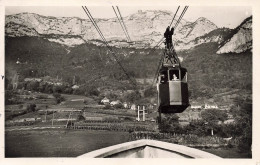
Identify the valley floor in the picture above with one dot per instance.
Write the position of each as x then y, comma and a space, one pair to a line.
72, 143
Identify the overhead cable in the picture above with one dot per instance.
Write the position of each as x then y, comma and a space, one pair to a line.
121, 24
103, 38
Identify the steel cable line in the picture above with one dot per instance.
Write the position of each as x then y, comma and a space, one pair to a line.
120, 23
182, 14
93, 22
110, 49
98, 29
174, 16
123, 23
112, 52
95, 25
184, 11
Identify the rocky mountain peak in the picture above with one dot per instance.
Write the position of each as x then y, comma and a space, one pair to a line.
240, 40
203, 20
200, 27
150, 15
145, 28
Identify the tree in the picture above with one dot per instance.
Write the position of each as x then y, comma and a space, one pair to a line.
170, 123
58, 97
212, 116
31, 108
196, 127
150, 92
33, 86
242, 113
93, 92
133, 96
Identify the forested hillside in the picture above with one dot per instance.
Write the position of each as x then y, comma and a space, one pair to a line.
209, 73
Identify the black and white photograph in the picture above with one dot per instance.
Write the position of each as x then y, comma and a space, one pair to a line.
118, 81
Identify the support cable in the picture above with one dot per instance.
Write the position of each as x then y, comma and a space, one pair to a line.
120, 23
180, 18
174, 15
123, 23
112, 52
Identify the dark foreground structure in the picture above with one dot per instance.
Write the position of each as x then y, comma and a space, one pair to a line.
148, 149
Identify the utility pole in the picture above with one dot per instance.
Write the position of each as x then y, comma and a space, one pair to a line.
68, 120
46, 115
138, 115
52, 117
143, 113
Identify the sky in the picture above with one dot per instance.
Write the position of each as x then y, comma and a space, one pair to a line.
222, 16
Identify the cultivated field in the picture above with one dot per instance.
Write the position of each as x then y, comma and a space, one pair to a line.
59, 143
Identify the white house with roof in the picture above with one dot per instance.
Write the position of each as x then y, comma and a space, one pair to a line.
105, 101
32, 79
75, 87
133, 107
211, 106
196, 106
115, 102
125, 105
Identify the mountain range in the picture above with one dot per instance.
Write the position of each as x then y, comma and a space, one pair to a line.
145, 29
218, 60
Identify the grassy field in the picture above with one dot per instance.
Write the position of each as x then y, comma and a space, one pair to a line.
72, 143
228, 153
60, 143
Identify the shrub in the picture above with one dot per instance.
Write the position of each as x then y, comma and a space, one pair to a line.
107, 106
21, 106
81, 118
133, 96
93, 92
118, 106
150, 92
31, 108
68, 90
58, 97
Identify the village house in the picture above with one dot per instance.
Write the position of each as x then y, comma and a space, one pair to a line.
225, 107
211, 106
132, 52
126, 105
105, 101
115, 102
75, 87
58, 84
133, 107
196, 106
32, 79
229, 121
18, 62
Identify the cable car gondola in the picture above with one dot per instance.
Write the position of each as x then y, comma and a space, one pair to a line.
173, 89
172, 84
